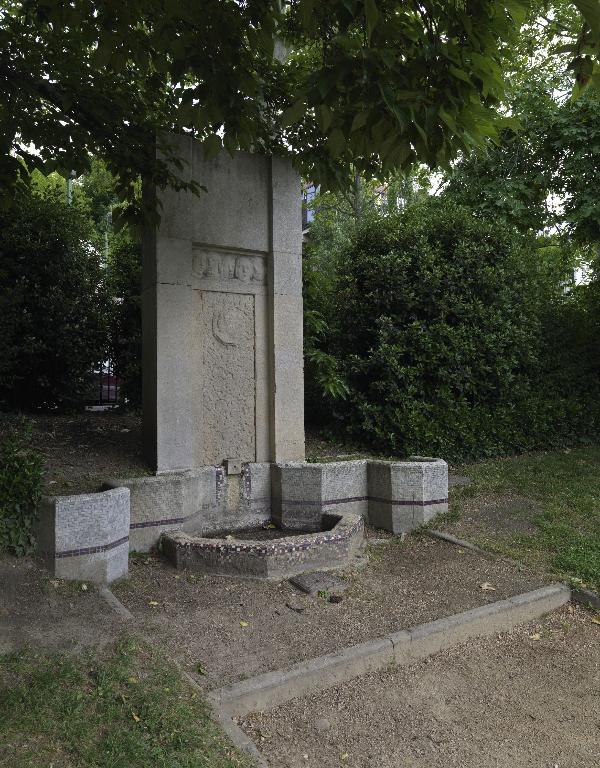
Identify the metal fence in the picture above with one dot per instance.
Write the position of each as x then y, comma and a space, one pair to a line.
105, 386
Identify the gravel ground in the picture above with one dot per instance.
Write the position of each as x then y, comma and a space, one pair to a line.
49, 614
529, 698
237, 628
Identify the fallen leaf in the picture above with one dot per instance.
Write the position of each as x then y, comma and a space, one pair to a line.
487, 587
596, 619
344, 756
135, 717
535, 636
244, 624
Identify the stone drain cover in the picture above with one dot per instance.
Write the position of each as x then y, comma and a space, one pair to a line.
319, 581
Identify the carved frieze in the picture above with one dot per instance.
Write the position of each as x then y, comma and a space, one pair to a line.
241, 269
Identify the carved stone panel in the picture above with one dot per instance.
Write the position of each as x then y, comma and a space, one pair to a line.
227, 361
213, 269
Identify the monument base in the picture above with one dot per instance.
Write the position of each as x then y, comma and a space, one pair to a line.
185, 508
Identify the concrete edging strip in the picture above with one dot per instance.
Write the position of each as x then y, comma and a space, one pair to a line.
115, 603
454, 540
586, 598
274, 688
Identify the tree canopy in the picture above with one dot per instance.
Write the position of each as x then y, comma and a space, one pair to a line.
367, 84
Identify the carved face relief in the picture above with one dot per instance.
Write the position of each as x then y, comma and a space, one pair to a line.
244, 268
227, 267
258, 272
207, 264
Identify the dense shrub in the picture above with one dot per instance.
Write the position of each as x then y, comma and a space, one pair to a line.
441, 331
123, 282
20, 487
51, 307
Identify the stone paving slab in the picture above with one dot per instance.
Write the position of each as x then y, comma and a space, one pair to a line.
319, 581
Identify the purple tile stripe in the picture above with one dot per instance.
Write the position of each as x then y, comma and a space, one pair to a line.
408, 502
304, 503
91, 550
351, 499
168, 521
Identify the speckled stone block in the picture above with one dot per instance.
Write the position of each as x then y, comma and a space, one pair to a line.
303, 493
404, 495
85, 537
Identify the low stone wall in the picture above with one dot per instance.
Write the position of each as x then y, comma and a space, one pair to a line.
204, 501
277, 559
85, 537
396, 496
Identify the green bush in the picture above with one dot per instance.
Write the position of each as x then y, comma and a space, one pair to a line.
52, 309
20, 488
123, 282
440, 329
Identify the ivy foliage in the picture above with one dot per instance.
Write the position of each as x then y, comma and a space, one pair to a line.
21, 485
448, 345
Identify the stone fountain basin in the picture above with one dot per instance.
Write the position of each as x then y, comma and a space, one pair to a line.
337, 545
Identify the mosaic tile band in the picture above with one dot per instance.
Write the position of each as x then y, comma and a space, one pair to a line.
92, 550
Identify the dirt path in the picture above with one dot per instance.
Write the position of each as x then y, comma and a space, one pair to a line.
83, 450
48, 614
236, 628
529, 698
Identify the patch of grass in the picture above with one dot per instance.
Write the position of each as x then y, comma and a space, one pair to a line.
567, 486
126, 709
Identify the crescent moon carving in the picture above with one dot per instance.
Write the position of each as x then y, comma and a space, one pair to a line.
223, 329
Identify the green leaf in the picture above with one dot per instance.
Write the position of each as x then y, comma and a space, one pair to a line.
326, 116
212, 146
292, 114
336, 142
590, 10
448, 119
460, 74
371, 15
360, 120
517, 9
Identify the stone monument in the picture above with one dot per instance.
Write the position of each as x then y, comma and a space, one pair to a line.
224, 402
222, 309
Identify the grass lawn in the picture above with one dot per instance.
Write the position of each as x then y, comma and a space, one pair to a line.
123, 708
559, 497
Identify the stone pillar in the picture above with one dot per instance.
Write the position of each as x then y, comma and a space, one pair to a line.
222, 315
